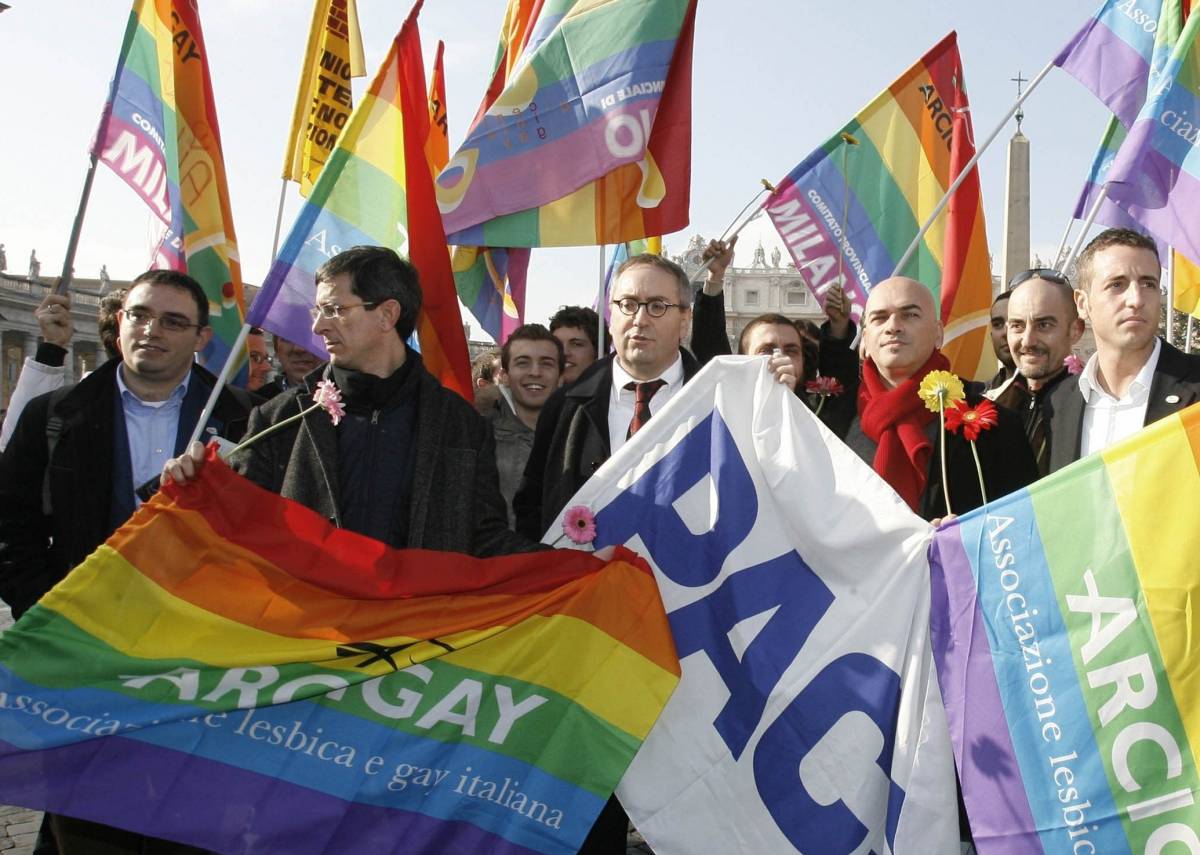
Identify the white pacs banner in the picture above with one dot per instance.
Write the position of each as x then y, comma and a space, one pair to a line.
796, 582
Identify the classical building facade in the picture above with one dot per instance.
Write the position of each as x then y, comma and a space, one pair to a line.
19, 333
764, 286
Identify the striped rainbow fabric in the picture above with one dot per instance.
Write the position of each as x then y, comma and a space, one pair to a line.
292, 687
589, 141
1065, 633
904, 149
367, 195
159, 133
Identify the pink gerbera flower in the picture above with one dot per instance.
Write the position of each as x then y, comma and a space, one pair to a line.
1074, 364
329, 397
826, 387
579, 524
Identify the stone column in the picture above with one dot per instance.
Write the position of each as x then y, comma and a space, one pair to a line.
31, 343
1016, 209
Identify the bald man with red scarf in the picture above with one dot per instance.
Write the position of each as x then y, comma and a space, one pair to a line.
898, 435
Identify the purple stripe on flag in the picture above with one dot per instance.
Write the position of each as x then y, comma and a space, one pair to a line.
955, 619
1162, 196
164, 793
1110, 67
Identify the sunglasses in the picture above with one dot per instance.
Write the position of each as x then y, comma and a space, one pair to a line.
1047, 273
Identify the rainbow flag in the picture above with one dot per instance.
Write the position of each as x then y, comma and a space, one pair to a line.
367, 195
1156, 174
1112, 53
323, 100
1187, 285
589, 141
899, 154
159, 133
491, 283
292, 687
1064, 631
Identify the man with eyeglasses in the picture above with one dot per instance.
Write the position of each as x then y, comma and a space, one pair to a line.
411, 464
260, 362
68, 476
1134, 378
1042, 327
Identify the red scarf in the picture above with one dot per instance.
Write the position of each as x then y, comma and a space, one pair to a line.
895, 420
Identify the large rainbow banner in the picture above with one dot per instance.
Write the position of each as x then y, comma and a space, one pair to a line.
1064, 628
159, 133
850, 210
589, 140
376, 189
292, 687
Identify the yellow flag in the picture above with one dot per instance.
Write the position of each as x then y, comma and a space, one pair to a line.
1187, 285
324, 101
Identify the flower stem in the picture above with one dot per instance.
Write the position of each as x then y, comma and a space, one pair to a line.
248, 442
942, 438
820, 404
979, 469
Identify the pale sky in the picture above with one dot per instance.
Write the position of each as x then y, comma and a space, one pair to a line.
772, 80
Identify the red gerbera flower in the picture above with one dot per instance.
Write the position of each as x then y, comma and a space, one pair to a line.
983, 416
826, 387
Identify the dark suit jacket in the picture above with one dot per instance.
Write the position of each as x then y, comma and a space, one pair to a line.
455, 504
570, 443
1176, 376
37, 550
1004, 456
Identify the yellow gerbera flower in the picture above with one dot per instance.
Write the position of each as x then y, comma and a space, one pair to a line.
940, 389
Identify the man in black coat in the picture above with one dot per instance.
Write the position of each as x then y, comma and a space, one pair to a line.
897, 434
67, 477
411, 463
1134, 378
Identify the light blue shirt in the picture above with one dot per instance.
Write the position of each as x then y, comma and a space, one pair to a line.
151, 427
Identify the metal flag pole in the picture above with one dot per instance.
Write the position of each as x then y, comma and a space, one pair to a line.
848, 141
726, 235
1087, 224
602, 306
966, 170
278, 221
1187, 342
222, 379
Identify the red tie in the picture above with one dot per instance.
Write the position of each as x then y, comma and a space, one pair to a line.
642, 392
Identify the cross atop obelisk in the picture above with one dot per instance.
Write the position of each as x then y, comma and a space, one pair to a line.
1020, 113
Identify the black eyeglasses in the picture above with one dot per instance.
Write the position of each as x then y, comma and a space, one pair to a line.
1047, 273
656, 308
169, 322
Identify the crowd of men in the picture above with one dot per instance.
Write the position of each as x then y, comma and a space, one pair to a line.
414, 465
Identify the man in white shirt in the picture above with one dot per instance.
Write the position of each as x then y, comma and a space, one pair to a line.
1134, 378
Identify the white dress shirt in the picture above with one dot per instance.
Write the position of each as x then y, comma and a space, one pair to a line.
621, 400
1107, 419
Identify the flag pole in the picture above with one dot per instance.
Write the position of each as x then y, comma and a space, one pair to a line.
278, 220
1087, 224
222, 379
847, 141
1187, 342
68, 269
1170, 295
1062, 245
726, 235
966, 170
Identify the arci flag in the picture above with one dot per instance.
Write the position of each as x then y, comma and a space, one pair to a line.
589, 141
1156, 174
854, 205
159, 133
1064, 625
807, 718
324, 100
1112, 53
232, 672
376, 189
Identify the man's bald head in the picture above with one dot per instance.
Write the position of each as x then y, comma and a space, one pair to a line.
901, 328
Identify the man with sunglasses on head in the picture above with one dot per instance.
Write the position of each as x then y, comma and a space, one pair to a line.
411, 464
68, 476
1134, 377
1042, 327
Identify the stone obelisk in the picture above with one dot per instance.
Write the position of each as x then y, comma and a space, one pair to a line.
1016, 202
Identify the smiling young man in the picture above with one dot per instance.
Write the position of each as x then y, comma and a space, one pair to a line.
68, 476
532, 362
411, 463
1134, 377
